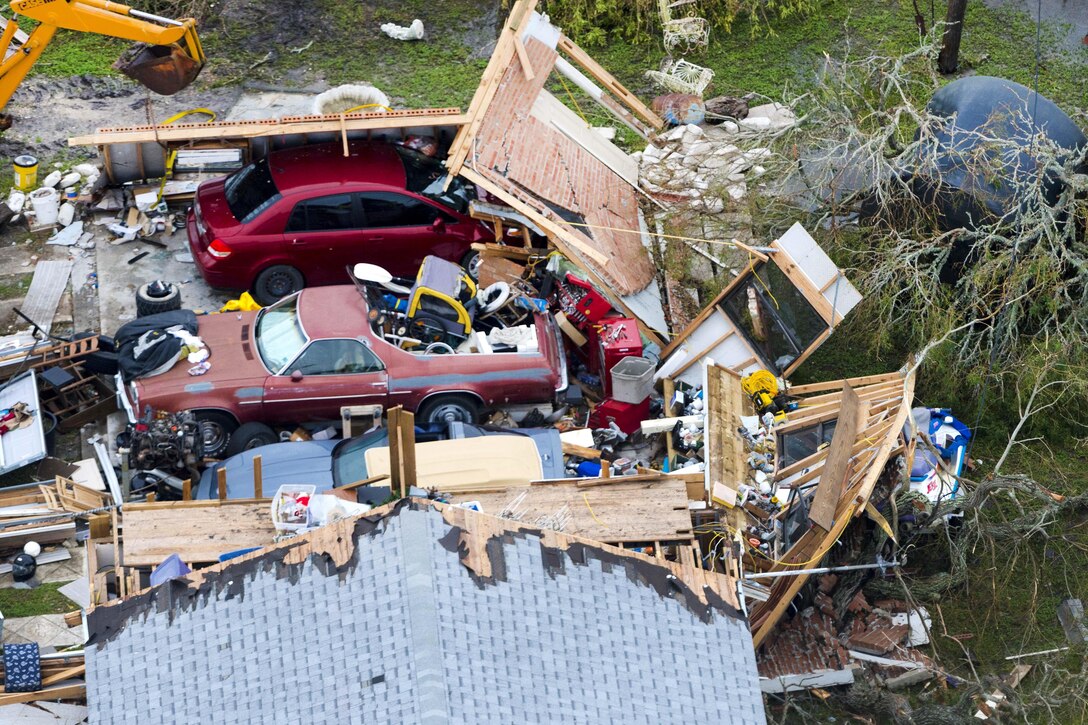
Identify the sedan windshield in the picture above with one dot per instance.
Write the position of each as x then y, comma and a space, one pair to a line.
250, 190
279, 334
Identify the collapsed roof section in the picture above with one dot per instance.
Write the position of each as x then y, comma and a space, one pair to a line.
422, 612
525, 147
829, 456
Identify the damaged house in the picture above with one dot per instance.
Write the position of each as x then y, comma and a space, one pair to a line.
420, 612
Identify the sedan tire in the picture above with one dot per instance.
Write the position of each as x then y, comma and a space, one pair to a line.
275, 283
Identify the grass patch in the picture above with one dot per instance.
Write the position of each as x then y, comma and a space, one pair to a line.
72, 54
32, 602
996, 41
14, 286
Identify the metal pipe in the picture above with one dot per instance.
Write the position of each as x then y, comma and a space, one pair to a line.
157, 18
821, 570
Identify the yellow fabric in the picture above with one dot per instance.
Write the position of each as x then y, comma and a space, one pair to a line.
245, 303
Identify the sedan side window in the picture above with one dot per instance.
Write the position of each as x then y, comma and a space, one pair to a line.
336, 357
323, 214
386, 209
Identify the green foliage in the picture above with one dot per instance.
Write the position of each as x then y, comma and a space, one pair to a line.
32, 602
599, 22
12, 287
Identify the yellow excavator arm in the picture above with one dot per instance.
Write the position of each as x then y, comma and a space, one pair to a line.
168, 56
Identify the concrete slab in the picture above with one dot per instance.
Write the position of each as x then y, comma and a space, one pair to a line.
253, 106
28, 715
45, 629
118, 280
69, 714
79, 591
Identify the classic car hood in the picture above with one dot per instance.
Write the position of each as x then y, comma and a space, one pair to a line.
234, 359
301, 462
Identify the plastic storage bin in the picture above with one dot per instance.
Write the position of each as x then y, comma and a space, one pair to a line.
632, 379
290, 491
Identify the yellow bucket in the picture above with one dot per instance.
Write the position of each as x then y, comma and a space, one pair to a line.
26, 172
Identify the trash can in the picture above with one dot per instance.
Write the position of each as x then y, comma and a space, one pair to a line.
632, 379
49, 429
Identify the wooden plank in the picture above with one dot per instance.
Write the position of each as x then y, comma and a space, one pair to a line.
66, 692
49, 282
523, 58
198, 534
226, 130
258, 477
609, 82
222, 480
725, 451
833, 476
840, 384
623, 510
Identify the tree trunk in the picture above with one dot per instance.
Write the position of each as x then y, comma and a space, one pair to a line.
949, 57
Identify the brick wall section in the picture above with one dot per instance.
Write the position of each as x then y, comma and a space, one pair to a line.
518, 147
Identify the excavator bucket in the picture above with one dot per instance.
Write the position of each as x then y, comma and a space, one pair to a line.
165, 69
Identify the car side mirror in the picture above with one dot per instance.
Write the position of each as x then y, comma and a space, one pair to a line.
296, 376
438, 226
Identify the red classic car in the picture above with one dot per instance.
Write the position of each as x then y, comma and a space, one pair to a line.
313, 352
299, 216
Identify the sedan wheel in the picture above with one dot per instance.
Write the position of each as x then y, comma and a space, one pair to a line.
275, 283
452, 409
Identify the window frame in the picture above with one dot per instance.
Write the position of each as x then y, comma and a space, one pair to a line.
358, 219
289, 369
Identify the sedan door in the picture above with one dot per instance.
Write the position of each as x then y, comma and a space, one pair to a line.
318, 232
326, 375
401, 231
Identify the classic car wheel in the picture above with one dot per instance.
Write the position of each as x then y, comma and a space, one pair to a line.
250, 435
276, 282
449, 409
216, 429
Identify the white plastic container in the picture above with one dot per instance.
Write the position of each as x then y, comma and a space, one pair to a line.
276, 500
46, 204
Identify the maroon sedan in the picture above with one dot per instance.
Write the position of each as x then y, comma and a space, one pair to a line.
299, 217
306, 356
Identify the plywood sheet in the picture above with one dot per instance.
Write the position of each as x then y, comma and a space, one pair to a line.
726, 456
642, 511
195, 533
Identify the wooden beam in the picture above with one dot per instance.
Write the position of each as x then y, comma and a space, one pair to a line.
222, 474
224, 130
829, 489
258, 477
523, 58
365, 482
840, 384
67, 692
609, 82
187, 490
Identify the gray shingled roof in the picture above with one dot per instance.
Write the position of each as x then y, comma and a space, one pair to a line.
405, 633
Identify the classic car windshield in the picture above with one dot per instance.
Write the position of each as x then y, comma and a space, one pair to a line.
279, 334
349, 457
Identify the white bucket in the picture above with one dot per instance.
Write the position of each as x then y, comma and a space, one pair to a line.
46, 204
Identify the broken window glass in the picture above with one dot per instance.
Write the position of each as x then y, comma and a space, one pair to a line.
773, 315
250, 190
799, 444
